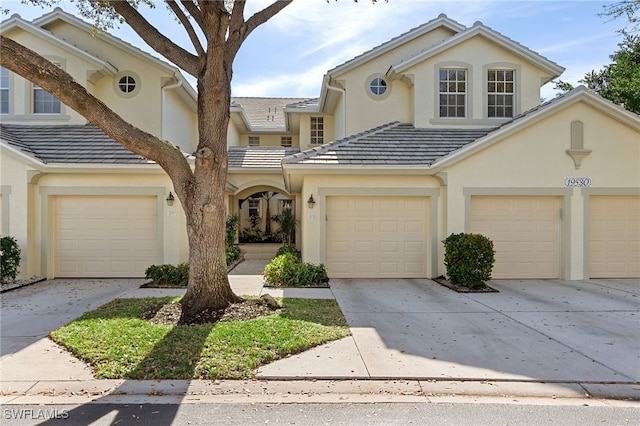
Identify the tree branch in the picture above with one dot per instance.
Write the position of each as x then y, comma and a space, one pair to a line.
59, 83
194, 11
158, 42
184, 20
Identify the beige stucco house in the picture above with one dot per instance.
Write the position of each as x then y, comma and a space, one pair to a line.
439, 130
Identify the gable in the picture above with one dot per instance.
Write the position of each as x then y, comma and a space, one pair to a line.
535, 149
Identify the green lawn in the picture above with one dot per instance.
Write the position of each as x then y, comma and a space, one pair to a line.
118, 342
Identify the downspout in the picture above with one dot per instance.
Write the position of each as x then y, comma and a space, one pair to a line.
164, 100
344, 106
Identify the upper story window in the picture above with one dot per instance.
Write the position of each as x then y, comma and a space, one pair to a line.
500, 90
317, 130
127, 84
4, 90
378, 86
453, 92
44, 102
286, 141
254, 140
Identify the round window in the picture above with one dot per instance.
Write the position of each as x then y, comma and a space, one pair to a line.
127, 84
378, 86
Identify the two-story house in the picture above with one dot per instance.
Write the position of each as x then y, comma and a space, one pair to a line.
437, 131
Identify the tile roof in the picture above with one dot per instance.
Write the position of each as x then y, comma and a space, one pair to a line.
265, 113
392, 144
258, 157
68, 144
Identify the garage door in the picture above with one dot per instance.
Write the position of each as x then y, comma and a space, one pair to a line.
110, 236
381, 237
614, 236
525, 232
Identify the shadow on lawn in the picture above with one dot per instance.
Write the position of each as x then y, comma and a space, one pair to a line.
175, 356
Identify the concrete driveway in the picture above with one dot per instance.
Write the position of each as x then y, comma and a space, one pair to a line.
543, 330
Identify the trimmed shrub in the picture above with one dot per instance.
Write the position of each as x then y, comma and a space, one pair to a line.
469, 259
9, 258
170, 275
232, 254
288, 248
286, 270
231, 230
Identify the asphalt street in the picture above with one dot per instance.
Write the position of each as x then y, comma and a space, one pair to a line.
459, 414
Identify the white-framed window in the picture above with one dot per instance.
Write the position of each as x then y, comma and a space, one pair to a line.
127, 84
317, 130
500, 93
285, 205
452, 87
254, 140
253, 207
286, 141
378, 86
44, 102
4, 90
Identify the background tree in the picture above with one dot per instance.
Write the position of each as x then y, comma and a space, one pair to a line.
628, 8
619, 81
216, 30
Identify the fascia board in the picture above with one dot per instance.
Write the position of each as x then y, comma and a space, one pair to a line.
20, 155
102, 168
495, 37
243, 116
254, 170
121, 44
357, 169
440, 21
20, 23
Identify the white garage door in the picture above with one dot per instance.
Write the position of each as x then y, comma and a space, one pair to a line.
614, 236
379, 237
525, 232
111, 236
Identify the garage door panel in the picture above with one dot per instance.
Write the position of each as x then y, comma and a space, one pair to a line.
525, 231
110, 236
614, 236
386, 237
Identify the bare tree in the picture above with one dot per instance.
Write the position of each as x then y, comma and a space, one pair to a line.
201, 191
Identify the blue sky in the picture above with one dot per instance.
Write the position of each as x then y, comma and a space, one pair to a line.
288, 56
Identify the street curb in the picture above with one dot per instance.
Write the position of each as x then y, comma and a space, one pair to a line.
316, 391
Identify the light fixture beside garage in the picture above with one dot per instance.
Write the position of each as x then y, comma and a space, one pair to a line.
170, 199
311, 202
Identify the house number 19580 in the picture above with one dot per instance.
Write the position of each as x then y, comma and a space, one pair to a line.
580, 182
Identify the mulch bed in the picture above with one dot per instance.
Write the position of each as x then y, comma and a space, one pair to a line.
170, 313
462, 289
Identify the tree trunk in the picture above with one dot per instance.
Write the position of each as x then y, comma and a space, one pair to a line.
208, 287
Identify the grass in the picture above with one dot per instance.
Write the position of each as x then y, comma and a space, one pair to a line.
119, 343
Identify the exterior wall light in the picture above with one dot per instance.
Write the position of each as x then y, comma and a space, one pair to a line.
311, 202
170, 199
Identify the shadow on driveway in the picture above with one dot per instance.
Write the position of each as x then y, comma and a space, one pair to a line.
533, 330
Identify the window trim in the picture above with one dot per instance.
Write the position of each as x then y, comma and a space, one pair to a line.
254, 139
257, 206
288, 144
469, 89
501, 66
319, 131
368, 87
116, 84
9, 92
61, 63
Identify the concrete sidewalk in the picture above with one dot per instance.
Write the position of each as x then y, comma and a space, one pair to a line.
405, 345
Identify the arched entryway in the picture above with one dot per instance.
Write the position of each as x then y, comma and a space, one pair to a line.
265, 214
